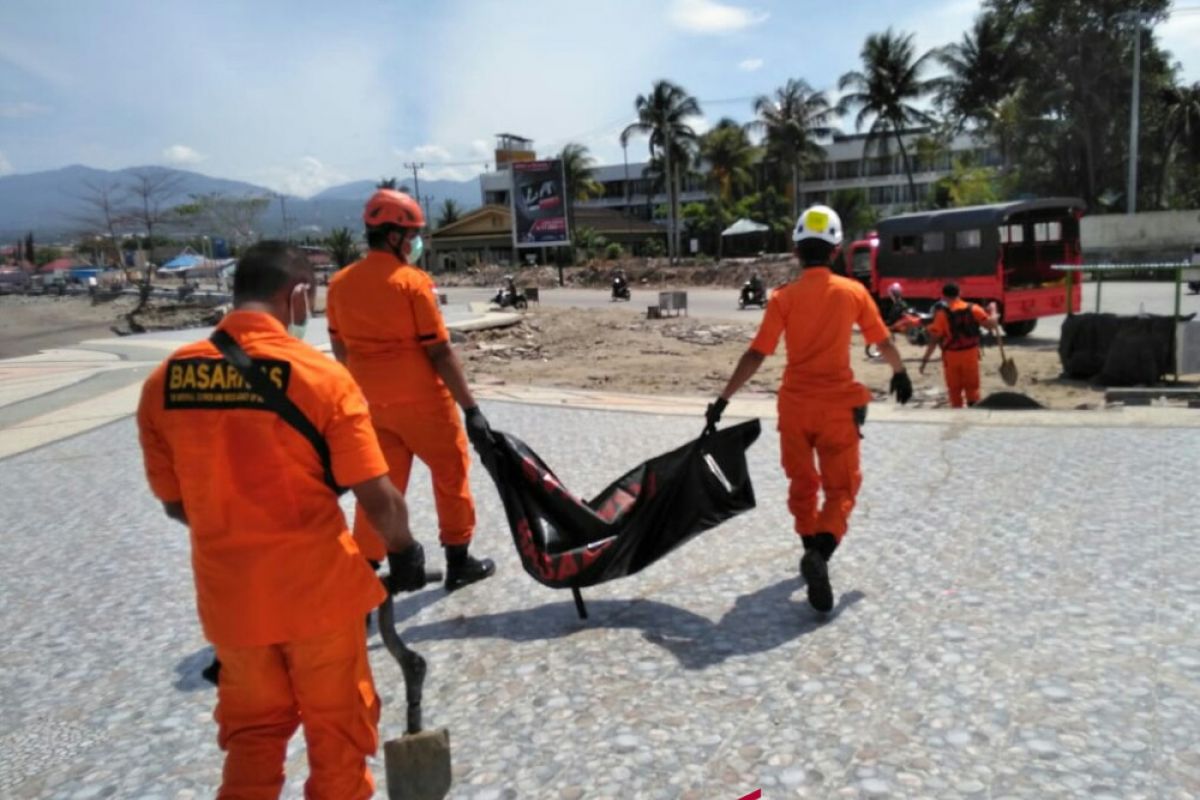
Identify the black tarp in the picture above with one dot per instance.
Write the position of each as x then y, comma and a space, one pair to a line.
1117, 350
567, 542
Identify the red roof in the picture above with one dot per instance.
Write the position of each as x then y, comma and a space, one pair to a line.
60, 263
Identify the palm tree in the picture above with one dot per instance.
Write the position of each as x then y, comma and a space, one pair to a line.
730, 157
793, 120
885, 91
662, 116
982, 69
341, 246
449, 212
1182, 126
577, 164
578, 172
387, 183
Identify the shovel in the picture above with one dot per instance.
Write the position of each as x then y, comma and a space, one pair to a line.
418, 763
1008, 368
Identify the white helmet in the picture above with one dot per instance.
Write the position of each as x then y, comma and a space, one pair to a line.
819, 222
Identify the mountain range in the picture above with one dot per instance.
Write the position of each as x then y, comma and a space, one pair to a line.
55, 204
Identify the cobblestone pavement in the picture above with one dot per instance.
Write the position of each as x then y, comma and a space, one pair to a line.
1017, 617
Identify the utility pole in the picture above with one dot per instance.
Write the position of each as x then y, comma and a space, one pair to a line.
283, 215
1137, 18
425, 201
415, 166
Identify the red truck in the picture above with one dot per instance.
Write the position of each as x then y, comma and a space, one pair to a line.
1001, 253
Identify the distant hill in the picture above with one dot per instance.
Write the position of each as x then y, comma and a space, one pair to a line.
52, 203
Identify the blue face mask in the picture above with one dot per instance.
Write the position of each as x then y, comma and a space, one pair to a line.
416, 247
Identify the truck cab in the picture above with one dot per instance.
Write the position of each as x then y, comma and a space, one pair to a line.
1002, 253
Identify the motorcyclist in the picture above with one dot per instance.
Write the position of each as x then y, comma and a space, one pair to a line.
755, 285
897, 306
620, 284
507, 291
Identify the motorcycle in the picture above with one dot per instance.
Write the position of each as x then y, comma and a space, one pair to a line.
912, 325
620, 290
752, 296
507, 298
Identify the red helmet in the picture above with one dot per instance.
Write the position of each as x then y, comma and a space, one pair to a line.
389, 207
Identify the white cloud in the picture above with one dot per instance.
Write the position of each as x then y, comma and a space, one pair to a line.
554, 96
5, 165
182, 155
940, 25
750, 65
432, 152
1179, 34
303, 178
22, 110
709, 16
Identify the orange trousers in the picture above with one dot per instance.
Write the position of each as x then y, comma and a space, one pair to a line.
434, 433
323, 683
819, 448
961, 368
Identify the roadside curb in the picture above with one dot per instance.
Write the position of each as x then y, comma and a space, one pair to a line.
763, 406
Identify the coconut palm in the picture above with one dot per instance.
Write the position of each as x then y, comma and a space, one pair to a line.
792, 120
387, 183
578, 166
730, 157
662, 116
341, 246
982, 70
886, 90
449, 212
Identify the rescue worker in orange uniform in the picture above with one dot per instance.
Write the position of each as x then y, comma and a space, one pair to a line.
281, 588
821, 406
955, 327
385, 325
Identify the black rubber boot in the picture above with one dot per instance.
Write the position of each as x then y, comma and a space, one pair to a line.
462, 568
814, 568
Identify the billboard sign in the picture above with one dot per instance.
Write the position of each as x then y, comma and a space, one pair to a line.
539, 204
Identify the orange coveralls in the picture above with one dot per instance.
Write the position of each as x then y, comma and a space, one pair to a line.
816, 314
280, 586
385, 313
960, 354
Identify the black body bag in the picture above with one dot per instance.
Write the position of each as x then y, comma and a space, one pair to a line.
566, 542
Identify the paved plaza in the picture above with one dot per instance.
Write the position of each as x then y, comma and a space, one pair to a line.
1016, 617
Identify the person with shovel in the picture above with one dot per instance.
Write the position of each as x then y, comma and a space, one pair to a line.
955, 328
821, 406
281, 589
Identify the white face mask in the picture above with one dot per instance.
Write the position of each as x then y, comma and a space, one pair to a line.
294, 328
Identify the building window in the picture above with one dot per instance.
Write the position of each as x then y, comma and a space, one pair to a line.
1012, 234
968, 240
884, 165
847, 169
882, 195
933, 241
1047, 231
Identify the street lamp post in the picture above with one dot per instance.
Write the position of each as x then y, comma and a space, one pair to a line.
1137, 18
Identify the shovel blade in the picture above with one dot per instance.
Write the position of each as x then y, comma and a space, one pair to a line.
418, 766
1008, 372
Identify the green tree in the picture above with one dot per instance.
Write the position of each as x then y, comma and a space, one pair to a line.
857, 213
730, 158
792, 121
886, 91
968, 184
982, 71
449, 212
342, 246
579, 175
1182, 128
1070, 132
388, 183
29, 248
663, 116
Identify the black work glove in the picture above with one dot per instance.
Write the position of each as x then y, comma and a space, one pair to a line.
406, 570
712, 415
478, 430
901, 386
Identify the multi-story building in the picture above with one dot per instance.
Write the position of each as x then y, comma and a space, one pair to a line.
882, 176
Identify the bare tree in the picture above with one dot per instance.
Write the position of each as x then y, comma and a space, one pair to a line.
233, 217
151, 190
107, 209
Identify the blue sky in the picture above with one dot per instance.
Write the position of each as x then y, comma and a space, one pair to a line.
302, 95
